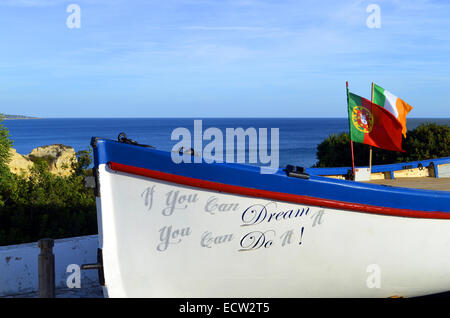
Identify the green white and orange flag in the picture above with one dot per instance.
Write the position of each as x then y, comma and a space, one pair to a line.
392, 103
373, 125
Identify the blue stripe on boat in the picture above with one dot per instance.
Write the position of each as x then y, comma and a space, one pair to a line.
250, 177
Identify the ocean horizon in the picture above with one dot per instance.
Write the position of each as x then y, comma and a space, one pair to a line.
298, 137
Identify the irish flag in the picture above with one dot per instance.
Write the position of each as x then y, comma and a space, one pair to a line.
373, 125
392, 103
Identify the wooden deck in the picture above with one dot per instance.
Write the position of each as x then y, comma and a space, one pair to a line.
428, 183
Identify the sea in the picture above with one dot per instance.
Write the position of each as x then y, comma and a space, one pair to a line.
298, 137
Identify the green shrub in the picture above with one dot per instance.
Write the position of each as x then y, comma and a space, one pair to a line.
43, 204
427, 141
5, 145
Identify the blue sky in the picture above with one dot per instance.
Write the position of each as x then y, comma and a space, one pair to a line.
204, 58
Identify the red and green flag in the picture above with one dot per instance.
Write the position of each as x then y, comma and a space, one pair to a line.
373, 125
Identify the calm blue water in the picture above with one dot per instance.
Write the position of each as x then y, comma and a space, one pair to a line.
299, 137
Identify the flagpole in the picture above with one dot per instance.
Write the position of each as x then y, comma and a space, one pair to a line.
351, 141
370, 151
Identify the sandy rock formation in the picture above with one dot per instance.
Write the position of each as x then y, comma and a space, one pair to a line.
19, 164
59, 158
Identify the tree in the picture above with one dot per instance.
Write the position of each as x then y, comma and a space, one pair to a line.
5, 146
427, 141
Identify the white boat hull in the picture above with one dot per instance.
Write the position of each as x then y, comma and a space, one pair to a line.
211, 244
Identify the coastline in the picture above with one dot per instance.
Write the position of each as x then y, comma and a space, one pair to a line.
17, 118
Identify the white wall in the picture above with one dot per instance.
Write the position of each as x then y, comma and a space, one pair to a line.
19, 264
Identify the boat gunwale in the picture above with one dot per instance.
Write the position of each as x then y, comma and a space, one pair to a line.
356, 195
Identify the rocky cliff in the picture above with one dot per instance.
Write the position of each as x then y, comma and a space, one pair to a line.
59, 158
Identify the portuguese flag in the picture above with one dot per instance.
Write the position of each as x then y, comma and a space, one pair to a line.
373, 125
392, 103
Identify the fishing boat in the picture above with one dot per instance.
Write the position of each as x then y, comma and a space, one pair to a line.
226, 230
